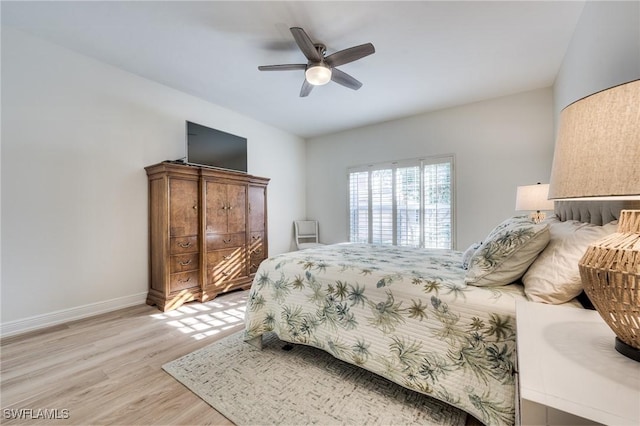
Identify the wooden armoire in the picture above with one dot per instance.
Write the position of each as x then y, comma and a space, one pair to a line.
207, 232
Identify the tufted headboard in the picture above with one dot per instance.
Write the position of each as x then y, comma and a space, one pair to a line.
595, 212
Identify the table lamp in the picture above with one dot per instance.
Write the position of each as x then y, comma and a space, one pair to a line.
534, 198
597, 156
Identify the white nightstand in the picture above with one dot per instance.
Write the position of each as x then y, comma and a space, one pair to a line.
569, 371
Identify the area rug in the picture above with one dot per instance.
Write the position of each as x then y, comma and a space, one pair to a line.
300, 385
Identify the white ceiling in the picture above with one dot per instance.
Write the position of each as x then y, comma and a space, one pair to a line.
429, 55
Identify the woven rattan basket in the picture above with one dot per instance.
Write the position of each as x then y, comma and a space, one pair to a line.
610, 272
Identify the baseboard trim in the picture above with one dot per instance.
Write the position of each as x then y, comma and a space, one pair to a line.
11, 328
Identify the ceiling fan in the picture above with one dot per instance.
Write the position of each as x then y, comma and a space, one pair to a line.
319, 69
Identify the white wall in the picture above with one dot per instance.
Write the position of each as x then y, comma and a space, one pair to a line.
76, 136
498, 145
604, 51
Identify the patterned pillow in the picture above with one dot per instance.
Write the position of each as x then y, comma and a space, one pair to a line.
508, 223
468, 254
507, 252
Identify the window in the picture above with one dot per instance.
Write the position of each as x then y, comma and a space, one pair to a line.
408, 203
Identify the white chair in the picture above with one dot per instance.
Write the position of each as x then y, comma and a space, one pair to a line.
306, 232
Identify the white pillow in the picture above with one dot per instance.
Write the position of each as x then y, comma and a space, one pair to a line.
554, 276
507, 252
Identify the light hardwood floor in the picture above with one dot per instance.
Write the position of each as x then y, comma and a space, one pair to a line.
107, 369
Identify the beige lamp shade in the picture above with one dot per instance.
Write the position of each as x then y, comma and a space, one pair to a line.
598, 155
533, 197
597, 152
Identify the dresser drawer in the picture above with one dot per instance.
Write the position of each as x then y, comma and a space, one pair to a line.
257, 252
179, 245
255, 258
256, 238
184, 262
224, 256
225, 265
183, 280
223, 241
254, 263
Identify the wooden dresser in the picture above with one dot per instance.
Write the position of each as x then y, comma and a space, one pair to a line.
207, 232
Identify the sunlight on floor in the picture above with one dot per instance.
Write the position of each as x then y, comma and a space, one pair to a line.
201, 320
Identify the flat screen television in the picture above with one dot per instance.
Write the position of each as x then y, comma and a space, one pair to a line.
214, 148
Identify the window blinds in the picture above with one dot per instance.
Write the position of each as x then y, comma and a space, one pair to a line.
405, 203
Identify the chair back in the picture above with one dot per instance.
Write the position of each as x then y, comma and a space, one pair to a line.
306, 233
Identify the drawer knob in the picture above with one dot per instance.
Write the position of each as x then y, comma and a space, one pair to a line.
185, 245
227, 241
185, 263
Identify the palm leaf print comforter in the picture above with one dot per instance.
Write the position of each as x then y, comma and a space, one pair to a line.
402, 313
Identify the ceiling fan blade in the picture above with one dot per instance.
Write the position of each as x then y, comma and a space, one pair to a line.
349, 55
344, 79
306, 88
305, 44
283, 67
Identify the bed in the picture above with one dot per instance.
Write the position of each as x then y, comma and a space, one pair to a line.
440, 322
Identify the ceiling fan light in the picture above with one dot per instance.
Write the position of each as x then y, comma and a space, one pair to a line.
318, 75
